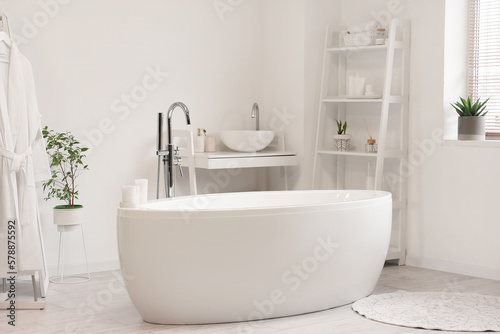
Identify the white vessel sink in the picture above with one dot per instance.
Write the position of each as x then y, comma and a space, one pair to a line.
246, 140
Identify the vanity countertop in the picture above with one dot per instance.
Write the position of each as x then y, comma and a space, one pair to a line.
232, 159
233, 154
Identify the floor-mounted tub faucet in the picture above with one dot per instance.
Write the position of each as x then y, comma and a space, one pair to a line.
168, 154
255, 114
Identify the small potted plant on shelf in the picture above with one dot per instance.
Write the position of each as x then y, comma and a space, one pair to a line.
342, 140
66, 162
471, 123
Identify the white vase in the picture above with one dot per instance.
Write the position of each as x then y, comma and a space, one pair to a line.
342, 142
68, 216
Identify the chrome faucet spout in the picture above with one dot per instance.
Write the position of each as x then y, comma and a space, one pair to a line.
170, 113
255, 114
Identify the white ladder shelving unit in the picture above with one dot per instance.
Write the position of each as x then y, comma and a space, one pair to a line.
390, 109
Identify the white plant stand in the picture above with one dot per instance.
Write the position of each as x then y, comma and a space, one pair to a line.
61, 278
392, 103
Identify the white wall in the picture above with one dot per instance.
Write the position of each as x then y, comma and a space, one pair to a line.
318, 15
93, 59
281, 78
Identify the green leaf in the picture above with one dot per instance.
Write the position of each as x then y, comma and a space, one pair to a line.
468, 107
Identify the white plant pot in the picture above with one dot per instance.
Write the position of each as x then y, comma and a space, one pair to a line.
471, 128
342, 142
65, 217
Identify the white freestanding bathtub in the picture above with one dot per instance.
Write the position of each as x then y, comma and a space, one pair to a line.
255, 255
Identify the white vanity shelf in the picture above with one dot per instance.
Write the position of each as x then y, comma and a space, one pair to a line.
227, 159
275, 155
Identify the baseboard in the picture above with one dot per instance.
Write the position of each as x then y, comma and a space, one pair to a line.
94, 267
454, 267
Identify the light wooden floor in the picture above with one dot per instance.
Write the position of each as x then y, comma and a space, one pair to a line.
103, 306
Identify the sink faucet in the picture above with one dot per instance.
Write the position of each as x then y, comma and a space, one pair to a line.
169, 154
255, 114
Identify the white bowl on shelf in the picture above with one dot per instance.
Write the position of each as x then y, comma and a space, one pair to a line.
246, 140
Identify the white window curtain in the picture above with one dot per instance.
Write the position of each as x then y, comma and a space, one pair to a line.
484, 59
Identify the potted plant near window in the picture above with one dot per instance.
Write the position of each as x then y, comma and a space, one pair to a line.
471, 123
66, 162
342, 140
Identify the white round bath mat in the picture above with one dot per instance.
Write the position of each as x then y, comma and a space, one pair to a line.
433, 310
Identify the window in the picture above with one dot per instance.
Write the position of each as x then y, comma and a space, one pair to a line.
483, 77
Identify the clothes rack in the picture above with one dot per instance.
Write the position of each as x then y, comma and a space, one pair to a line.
42, 272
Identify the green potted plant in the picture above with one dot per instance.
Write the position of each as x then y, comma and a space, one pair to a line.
471, 121
66, 162
342, 140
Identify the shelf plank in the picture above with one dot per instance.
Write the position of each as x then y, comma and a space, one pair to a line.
337, 49
359, 48
338, 99
355, 152
362, 153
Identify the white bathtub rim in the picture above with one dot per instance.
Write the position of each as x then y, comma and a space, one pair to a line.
379, 194
192, 212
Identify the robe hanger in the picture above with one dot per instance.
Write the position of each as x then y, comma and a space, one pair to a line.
4, 37
4, 21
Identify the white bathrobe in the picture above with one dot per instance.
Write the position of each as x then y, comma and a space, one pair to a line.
23, 161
